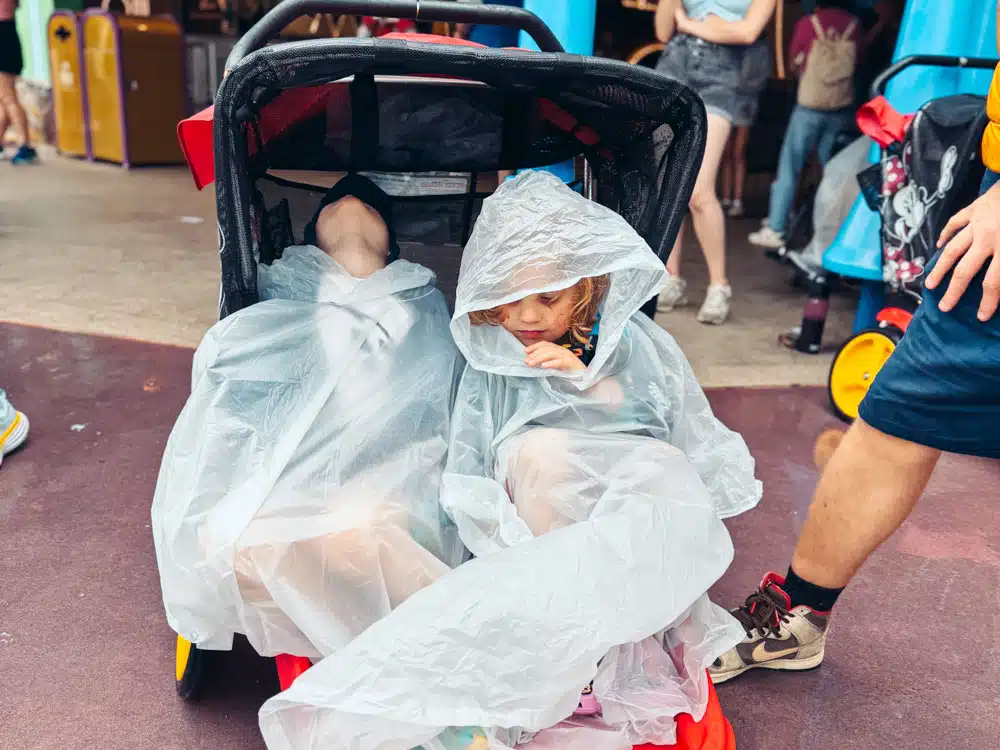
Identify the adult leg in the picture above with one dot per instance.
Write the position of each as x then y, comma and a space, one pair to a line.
834, 124
726, 173
738, 165
13, 109
858, 504
937, 392
706, 211
800, 139
674, 293
674, 261
4, 124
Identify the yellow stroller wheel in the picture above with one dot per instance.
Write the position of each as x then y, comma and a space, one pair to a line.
855, 367
189, 669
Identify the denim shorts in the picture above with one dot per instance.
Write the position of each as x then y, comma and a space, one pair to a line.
728, 78
941, 387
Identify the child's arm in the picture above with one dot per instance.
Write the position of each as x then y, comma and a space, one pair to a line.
714, 29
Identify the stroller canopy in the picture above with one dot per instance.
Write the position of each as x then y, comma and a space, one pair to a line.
405, 104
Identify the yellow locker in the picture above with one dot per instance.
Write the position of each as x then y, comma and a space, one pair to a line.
134, 71
69, 97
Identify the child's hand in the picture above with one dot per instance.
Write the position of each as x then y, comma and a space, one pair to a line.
551, 356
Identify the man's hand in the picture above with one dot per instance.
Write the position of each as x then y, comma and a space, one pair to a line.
972, 236
551, 356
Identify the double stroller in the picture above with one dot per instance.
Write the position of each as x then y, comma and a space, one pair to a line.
432, 120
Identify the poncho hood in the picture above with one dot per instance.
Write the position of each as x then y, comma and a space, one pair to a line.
537, 235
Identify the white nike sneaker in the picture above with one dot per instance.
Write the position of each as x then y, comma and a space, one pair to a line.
715, 309
767, 237
13, 427
674, 294
778, 635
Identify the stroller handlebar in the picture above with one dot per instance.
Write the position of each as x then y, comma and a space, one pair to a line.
271, 25
936, 61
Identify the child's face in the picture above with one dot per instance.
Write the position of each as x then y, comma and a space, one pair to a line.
351, 221
540, 317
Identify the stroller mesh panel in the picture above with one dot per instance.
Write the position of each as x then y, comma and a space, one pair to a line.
431, 229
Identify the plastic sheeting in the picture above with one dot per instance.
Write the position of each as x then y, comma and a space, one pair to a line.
837, 192
298, 499
592, 502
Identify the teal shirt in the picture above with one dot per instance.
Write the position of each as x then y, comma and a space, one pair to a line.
727, 10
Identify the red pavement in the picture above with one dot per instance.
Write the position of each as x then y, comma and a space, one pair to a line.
86, 657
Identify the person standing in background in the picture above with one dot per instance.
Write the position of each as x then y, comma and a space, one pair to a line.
937, 392
708, 43
11, 65
881, 23
755, 74
824, 50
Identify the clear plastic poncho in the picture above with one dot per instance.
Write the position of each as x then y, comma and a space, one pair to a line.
298, 498
593, 503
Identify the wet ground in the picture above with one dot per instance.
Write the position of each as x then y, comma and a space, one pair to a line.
95, 261
86, 657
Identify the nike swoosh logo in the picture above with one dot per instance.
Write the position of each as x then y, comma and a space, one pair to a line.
761, 653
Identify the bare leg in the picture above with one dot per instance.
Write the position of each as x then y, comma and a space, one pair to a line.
868, 489
13, 108
726, 173
541, 471
674, 261
333, 586
4, 124
706, 211
739, 161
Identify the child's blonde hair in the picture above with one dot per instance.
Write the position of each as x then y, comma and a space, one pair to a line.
589, 293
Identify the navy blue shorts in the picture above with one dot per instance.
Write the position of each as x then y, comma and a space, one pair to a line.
941, 387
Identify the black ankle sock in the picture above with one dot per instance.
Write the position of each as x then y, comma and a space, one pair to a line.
800, 591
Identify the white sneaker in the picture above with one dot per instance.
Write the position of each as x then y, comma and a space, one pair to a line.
673, 294
13, 427
734, 209
767, 237
715, 309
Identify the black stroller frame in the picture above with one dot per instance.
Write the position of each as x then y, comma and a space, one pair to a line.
642, 134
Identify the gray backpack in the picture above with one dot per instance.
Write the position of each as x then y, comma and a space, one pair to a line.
827, 82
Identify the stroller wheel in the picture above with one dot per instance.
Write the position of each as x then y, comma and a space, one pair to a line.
189, 666
855, 367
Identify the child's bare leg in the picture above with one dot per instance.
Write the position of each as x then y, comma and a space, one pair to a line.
539, 479
351, 577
